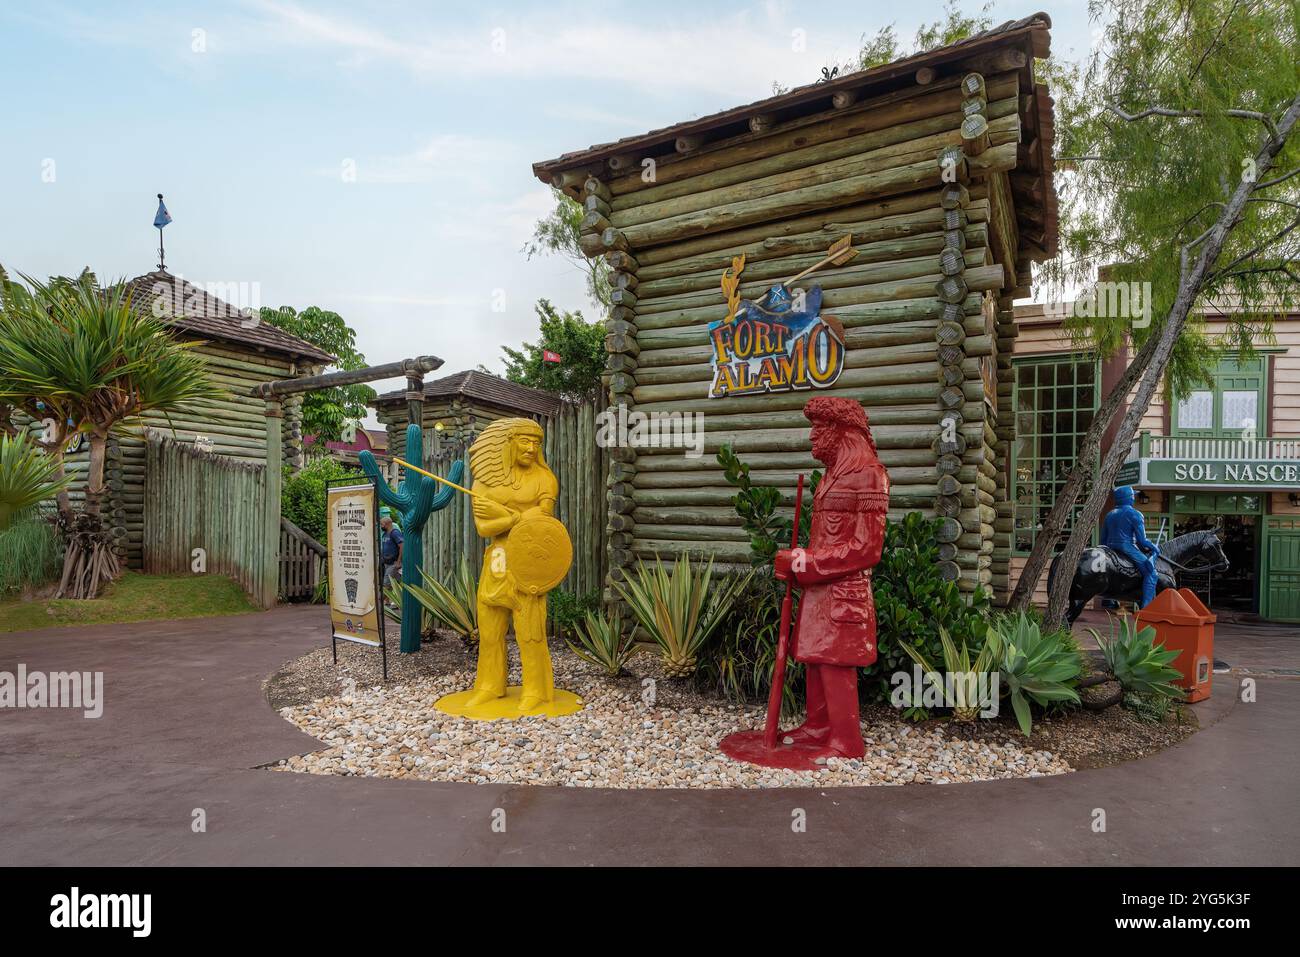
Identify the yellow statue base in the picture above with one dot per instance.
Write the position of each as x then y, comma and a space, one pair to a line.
507, 706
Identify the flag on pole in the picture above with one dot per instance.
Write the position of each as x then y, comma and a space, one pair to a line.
549, 356
162, 217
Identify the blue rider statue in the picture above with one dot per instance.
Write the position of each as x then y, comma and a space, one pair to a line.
1124, 531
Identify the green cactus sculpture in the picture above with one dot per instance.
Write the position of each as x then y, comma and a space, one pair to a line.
415, 498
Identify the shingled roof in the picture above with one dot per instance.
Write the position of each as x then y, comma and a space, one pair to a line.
192, 309
483, 387
729, 127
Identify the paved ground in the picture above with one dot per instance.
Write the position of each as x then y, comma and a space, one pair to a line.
185, 726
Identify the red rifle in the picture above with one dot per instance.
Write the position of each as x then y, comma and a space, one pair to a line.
783, 639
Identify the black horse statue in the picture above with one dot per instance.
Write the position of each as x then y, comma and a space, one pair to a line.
1103, 571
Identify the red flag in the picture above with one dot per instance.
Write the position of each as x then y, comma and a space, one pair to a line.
549, 356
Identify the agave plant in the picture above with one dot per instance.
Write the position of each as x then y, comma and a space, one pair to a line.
602, 643
961, 673
80, 356
452, 603
1139, 664
1033, 666
678, 610
27, 476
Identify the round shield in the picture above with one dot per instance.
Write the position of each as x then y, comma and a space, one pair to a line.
538, 553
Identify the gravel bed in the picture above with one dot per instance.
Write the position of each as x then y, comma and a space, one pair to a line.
617, 741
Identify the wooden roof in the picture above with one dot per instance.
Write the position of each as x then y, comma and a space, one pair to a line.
482, 387
1032, 180
192, 309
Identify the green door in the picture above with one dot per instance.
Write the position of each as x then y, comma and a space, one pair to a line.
1280, 581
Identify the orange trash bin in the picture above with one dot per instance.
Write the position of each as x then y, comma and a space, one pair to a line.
1183, 623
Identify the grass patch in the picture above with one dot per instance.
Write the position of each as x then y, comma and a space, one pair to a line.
134, 597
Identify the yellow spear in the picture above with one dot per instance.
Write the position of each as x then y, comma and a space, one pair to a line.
458, 488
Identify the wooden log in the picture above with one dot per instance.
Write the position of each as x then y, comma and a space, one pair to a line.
774, 266
848, 301
849, 189
866, 233
844, 277
786, 176
894, 111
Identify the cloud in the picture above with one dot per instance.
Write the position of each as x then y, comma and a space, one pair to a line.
444, 158
734, 56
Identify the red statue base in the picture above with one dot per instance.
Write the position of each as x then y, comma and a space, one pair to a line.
750, 747
836, 631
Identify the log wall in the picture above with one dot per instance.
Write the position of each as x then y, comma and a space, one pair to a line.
196, 499
233, 425
919, 177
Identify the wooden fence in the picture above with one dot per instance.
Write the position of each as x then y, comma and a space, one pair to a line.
302, 562
201, 500
578, 463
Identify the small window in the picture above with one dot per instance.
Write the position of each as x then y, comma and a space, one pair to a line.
1197, 410
1054, 402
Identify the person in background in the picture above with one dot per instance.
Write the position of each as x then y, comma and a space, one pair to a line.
390, 548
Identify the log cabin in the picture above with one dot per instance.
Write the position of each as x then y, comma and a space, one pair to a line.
939, 168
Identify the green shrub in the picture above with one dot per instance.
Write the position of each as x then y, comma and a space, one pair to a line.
601, 642
966, 685
680, 609
737, 662
31, 553
1034, 665
451, 603
302, 498
27, 477
567, 610
1141, 666
914, 603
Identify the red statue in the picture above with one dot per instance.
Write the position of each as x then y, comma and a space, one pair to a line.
836, 631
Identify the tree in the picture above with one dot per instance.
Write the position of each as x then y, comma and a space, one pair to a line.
885, 48
27, 476
557, 232
77, 357
1183, 112
326, 413
580, 345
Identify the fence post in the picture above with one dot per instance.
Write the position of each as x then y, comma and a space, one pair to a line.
270, 583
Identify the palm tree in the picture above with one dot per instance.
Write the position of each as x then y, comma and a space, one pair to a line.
79, 358
27, 477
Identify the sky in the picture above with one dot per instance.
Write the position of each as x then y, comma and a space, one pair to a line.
374, 159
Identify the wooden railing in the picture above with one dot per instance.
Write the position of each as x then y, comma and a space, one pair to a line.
302, 562
1218, 448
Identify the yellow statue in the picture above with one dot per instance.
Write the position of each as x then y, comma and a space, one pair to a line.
514, 493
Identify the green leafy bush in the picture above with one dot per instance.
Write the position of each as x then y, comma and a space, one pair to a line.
757, 507
567, 610
1141, 666
737, 663
302, 497
680, 609
31, 554
1034, 665
965, 674
451, 603
27, 476
914, 603
602, 642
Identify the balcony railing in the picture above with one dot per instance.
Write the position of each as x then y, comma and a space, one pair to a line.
1217, 448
